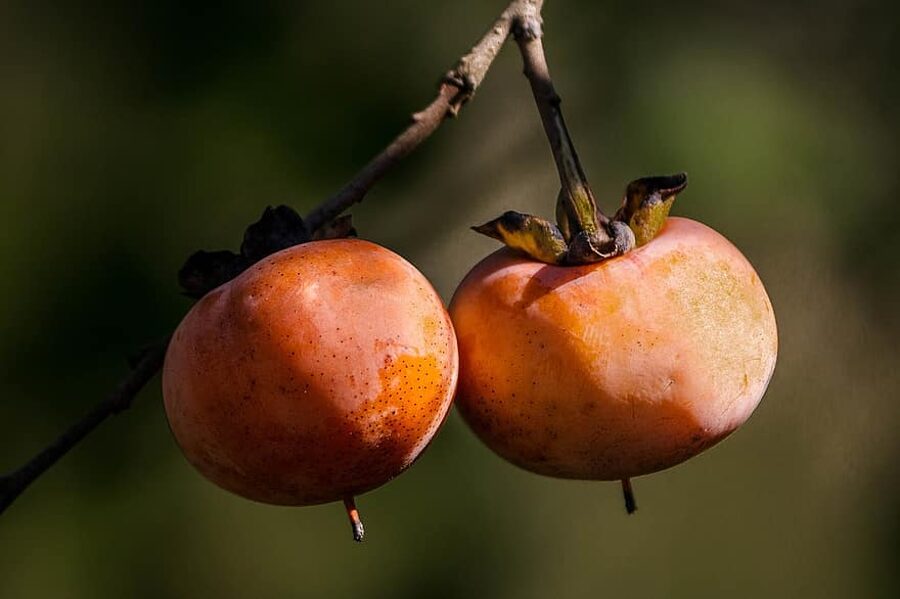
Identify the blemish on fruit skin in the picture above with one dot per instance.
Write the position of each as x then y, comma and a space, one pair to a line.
408, 406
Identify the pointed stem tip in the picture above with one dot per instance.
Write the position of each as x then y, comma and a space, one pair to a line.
355, 523
630, 504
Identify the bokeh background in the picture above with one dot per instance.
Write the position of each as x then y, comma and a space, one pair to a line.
132, 135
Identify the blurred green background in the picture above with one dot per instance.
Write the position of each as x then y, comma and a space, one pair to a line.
132, 135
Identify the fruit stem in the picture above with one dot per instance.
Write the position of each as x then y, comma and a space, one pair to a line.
578, 201
628, 492
355, 523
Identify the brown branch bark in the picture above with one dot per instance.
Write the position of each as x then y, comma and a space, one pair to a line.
458, 86
12, 484
528, 33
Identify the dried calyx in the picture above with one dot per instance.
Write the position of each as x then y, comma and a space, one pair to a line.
582, 234
278, 228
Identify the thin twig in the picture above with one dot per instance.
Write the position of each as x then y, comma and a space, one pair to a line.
528, 33
12, 485
457, 87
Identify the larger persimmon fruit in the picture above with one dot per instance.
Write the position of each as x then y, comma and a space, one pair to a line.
319, 373
616, 368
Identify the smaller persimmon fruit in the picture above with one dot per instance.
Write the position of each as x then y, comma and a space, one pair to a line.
319, 373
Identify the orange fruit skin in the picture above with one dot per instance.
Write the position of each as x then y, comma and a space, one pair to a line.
616, 369
321, 372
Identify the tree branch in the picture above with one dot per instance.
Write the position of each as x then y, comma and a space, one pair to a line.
457, 87
12, 485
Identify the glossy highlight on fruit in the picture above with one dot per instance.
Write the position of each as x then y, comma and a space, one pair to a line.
618, 368
319, 373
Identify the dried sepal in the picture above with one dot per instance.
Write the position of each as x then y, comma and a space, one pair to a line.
537, 237
339, 228
647, 203
278, 228
204, 271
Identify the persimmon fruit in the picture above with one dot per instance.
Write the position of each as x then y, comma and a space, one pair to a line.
319, 373
616, 368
